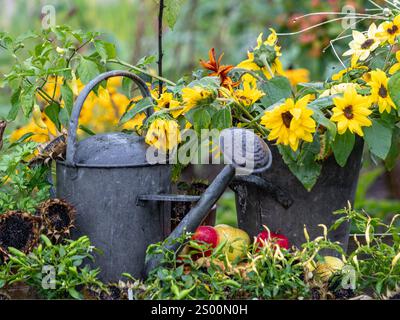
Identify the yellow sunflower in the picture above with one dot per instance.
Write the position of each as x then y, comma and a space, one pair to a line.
290, 122
249, 94
351, 112
362, 45
379, 91
396, 66
163, 134
389, 30
265, 57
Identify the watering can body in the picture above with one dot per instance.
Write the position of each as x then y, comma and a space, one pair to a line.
105, 198
102, 177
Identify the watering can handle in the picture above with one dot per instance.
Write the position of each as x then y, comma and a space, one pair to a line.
73, 125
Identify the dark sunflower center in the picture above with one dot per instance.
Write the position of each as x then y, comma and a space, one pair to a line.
383, 92
348, 112
393, 29
367, 44
287, 118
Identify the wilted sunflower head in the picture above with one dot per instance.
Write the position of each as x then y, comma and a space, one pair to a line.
163, 134
197, 96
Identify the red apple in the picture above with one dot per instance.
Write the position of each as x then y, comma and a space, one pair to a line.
279, 239
206, 235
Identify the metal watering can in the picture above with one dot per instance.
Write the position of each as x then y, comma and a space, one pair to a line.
123, 202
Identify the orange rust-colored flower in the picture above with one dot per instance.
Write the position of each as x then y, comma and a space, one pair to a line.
219, 70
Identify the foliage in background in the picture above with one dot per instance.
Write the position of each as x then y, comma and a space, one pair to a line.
21, 187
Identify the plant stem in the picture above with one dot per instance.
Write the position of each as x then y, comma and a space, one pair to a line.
3, 126
257, 126
160, 48
132, 67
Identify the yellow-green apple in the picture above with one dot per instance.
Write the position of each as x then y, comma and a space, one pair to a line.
237, 241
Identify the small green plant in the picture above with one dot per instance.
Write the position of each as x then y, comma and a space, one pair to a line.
21, 187
64, 261
376, 258
268, 273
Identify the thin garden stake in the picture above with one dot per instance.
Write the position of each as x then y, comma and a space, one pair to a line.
160, 48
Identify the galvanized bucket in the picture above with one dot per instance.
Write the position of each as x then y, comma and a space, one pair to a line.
286, 206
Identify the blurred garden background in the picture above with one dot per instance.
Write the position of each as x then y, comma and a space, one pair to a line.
229, 26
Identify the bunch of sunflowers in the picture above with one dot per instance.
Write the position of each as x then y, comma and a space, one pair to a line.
308, 122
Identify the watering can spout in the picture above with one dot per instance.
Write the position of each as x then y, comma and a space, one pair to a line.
244, 154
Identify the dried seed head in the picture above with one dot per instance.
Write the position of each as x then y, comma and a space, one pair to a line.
58, 219
19, 230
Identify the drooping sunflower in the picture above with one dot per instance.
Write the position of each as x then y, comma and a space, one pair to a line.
163, 134
379, 91
249, 94
362, 45
389, 30
339, 88
265, 57
196, 96
167, 101
353, 72
351, 112
290, 122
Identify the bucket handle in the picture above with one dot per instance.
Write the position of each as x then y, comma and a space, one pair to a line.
76, 111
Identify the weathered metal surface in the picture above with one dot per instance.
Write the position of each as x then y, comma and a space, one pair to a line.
334, 188
105, 200
102, 177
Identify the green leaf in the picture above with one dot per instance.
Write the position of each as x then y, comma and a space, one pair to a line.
139, 107
276, 89
15, 105
75, 294
106, 50
201, 119
172, 10
394, 89
127, 87
27, 99
394, 153
343, 146
305, 168
87, 70
316, 106
222, 119
86, 130
53, 111
378, 138
68, 97
147, 60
